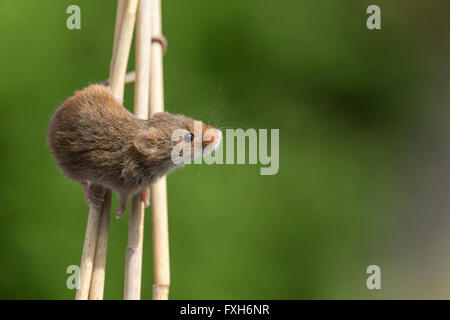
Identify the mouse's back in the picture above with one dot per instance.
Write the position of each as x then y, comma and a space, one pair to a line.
88, 129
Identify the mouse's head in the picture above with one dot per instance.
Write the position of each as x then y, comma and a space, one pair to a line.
172, 139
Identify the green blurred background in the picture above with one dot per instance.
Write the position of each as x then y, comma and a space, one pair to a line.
364, 158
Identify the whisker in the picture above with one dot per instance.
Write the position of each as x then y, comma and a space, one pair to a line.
228, 113
219, 91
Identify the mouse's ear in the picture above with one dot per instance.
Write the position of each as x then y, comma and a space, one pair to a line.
146, 143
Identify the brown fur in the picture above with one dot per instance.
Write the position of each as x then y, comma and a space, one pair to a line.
93, 137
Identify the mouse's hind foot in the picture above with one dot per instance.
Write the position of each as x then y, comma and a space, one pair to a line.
94, 195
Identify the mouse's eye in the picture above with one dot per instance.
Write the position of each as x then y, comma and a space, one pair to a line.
188, 137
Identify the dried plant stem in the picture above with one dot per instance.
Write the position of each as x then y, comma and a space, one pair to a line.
160, 232
87, 258
133, 263
119, 17
122, 53
99, 267
158, 190
126, 12
96, 238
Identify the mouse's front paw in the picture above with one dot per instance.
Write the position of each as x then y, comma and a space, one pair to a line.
145, 196
123, 198
120, 210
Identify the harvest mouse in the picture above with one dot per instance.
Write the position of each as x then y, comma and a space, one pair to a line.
96, 141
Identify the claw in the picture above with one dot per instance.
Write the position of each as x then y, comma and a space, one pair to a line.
120, 210
123, 198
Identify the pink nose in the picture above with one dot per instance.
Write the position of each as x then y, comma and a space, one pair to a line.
219, 135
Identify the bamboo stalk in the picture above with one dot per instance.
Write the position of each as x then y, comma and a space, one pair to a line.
98, 222
133, 262
160, 230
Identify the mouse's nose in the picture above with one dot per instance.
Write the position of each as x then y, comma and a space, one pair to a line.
219, 135
212, 137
